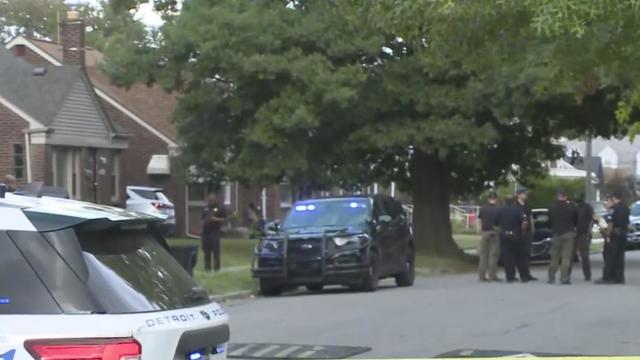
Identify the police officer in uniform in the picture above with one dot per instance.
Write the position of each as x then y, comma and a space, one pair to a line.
563, 218
489, 246
521, 200
213, 217
616, 242
509, 221
582, 245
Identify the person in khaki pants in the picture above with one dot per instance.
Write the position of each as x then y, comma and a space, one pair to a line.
489, 246
563, 218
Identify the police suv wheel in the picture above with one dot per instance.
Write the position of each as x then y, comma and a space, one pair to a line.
370, 281
269, 288
408, 274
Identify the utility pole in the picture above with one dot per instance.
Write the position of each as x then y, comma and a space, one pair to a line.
588, 163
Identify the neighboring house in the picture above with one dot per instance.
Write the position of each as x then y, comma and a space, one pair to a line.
54, 130
614, 153
145, 113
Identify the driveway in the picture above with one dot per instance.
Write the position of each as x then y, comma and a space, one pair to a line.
441, 314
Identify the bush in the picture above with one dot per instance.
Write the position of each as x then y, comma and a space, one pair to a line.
543, 191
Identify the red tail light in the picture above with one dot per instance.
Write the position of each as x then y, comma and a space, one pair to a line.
158, 205
84, 349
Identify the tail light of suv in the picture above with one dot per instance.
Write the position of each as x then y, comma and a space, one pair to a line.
84, 349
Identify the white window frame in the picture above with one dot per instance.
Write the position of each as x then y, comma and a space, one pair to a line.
227, 194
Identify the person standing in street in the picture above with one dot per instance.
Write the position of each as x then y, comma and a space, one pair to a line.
509, 221
213, 217
489, 246
527, 234
563, 218
582, 244
616, 242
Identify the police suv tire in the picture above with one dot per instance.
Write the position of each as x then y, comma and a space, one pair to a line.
268, 288
371, 279
315, 287
408, 274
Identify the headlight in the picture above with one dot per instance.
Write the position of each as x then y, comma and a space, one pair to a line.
271, 245
351, 240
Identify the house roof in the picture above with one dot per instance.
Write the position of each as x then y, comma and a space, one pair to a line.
626, 150
151, 103
59, 98
93, 57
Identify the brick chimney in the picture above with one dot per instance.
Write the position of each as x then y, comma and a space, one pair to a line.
72, 37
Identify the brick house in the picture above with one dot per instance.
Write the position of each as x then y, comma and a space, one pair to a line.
55, 131
144, 113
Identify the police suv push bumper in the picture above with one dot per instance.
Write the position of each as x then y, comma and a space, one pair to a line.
309, 259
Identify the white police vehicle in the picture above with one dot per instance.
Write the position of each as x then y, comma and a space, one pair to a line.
84, 281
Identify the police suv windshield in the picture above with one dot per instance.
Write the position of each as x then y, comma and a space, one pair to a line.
328, 213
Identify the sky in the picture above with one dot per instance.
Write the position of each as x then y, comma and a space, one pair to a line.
145, 12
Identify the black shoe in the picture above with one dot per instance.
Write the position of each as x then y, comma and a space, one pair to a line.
512, 280
587, 278
566, 282
531, 278
483, 279
603, 282
551, 281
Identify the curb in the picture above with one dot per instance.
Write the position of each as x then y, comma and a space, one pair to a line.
238, 295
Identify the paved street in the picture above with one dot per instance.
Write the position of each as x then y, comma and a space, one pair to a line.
446, 313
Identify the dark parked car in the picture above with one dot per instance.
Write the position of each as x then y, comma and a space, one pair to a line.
633, 235
351, 241
541, 240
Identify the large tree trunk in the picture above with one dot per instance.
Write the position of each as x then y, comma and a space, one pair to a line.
431, 187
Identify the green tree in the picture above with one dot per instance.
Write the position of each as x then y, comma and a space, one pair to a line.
440, 96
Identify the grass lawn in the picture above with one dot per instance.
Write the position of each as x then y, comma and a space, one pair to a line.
236, 257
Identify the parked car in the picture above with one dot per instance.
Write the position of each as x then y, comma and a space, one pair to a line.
633, 237
541, 237
84, 281
152, 201
352, 241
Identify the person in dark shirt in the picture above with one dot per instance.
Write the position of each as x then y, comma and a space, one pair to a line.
582, 245
616, 242
489, 246
510, 221
522, 196
213, 217
563, 218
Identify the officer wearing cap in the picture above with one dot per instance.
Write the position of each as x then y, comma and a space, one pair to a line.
522, 194
489, 246
509, 221
582, 244
616, 242
563, 218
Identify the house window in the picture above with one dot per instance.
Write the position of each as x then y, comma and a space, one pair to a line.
115, 178
18, 161
66, 170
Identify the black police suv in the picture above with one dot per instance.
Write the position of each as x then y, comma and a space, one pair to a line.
351, 241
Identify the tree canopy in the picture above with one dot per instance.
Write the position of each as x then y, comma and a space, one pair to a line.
440, 96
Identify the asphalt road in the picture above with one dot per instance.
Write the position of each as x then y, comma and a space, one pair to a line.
441, 314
